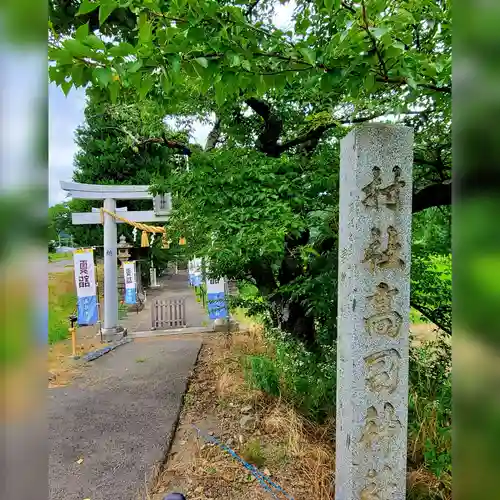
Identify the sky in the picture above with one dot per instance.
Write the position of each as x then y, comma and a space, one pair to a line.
67, 113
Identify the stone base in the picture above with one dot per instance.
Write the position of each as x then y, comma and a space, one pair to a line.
113, 334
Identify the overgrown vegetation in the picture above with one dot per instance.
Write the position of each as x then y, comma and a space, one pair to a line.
62, 303
54, 257
307, 380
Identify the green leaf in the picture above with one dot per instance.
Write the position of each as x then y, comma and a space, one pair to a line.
95, 42
103, 76
135, 66
331, 4
145, 32
114, 88
122, 50
378, 32
392, 51
56, 75
63, 57
309, 55
411, 82
66, 87
369, 82
234, 59
77, 75
105, 10
220, 95
87, 7
202, 61
78, 49
146, 85
82, 31
246, 64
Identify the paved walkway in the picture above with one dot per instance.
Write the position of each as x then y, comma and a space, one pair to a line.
119, 418
174, 286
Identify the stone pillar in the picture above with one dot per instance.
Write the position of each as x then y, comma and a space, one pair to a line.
111, 329
373, 312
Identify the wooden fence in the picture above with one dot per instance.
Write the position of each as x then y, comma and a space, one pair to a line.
166, 314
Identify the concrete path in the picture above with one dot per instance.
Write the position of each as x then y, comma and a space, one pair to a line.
175, 286
119, 418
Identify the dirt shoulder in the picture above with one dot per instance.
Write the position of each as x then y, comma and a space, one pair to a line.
265, 432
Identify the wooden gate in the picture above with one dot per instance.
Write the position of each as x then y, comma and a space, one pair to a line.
167, 314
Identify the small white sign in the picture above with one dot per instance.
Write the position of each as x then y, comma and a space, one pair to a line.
215, 286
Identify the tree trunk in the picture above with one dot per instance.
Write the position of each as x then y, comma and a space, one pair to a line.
297, 323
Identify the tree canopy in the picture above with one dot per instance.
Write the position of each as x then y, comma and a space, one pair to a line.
260, 199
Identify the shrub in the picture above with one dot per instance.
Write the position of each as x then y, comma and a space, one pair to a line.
307, 379
429, 411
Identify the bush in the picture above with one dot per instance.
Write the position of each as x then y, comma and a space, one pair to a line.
306, 379
429, 411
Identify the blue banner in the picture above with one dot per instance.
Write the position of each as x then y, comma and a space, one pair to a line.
130, 296
216, 306
87, 310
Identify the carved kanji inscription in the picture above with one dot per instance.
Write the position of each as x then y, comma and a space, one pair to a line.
388, 258
380, 431
385, 321
380, 486
389, 195
382, 371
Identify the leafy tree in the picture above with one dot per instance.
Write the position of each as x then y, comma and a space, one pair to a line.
59, 220
261, 200
105, 156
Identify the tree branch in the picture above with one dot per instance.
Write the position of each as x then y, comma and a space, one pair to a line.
251, 8
184, 150
213, 136
315, 135
267, 141
428, 314
435, 195
366, 27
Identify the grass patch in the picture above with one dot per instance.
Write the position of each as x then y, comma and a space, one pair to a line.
306, 381
62, 303
417, 318
54, 257
253, 453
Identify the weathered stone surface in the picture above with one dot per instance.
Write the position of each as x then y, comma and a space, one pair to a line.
373, 312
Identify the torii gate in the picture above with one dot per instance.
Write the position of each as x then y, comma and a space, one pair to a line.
162, 205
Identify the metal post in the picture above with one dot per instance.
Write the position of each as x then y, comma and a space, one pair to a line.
111, 327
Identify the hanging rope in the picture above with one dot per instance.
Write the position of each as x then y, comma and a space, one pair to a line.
145, 228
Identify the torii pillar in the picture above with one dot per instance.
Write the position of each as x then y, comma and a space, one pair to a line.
109, 194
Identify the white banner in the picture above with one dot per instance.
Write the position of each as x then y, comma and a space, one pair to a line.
84, 272
129, 274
